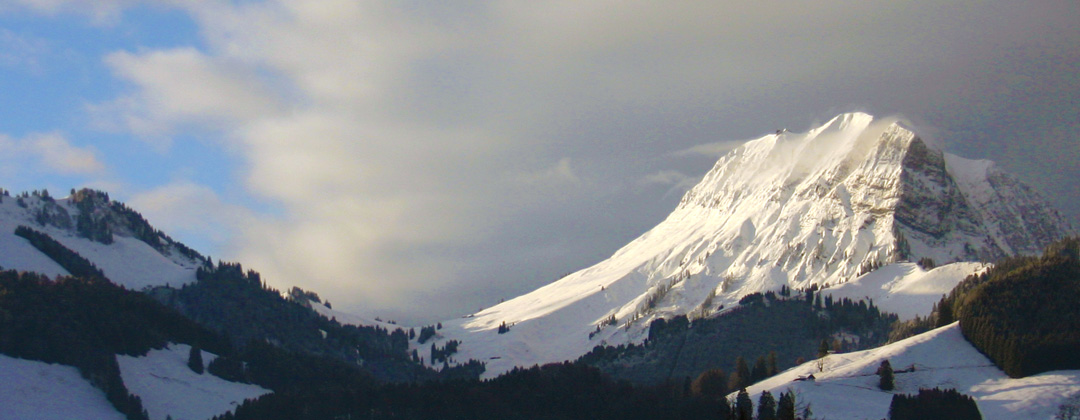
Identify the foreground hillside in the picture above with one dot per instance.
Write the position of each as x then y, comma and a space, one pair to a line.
44, 391
847, 386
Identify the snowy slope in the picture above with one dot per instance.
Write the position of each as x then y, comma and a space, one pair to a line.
346, 318
795, 209
42, 391
847, 388
127, 261
904, 288
168, 388
17, 253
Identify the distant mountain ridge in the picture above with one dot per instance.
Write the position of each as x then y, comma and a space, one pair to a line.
115, 238
788, 209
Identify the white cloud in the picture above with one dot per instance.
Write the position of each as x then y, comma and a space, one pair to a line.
57, 153
52, 151
184, 86
187, 209
102, 12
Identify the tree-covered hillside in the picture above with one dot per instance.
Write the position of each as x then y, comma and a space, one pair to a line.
232, 301
1021, 313
789, 327
84, 322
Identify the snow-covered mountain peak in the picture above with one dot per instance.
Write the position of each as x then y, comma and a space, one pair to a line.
822, 208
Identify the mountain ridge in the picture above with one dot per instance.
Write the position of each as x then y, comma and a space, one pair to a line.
819, 208
107, 233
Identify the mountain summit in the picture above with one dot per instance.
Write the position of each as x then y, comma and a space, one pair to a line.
788, 210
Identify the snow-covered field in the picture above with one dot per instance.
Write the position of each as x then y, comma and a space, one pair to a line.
168, 388
847, 388
42, 391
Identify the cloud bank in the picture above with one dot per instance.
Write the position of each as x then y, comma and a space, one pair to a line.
426, 159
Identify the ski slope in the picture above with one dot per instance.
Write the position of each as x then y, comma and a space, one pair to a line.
847, 387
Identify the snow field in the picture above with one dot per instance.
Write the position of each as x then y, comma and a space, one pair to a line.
847, 387
905, 289
168, 388
42, 391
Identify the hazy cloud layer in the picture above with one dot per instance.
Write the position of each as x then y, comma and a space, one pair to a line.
185, 208
428, 159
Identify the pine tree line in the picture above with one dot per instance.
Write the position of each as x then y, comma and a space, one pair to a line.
84, 322
1020, 313
65, 257
793, 327
931, 404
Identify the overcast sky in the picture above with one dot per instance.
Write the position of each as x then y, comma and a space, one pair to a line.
420, 160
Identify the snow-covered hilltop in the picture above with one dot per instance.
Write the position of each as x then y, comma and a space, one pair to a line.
108, 234
818, 208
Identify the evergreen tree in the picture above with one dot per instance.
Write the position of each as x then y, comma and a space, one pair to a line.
766, 406
760, 371
934, 404
710, 384
741, 378
773, 368
724, 410
785, 409
744, 407
885, 373
195, 361
945, 313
